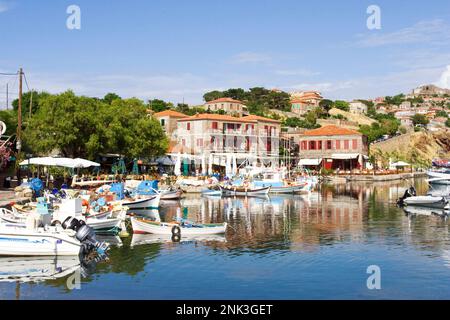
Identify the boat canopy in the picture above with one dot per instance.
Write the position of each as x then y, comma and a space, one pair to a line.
309, 162
60, 162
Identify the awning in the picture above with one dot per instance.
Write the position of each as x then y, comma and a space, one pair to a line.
309, 162
344, 156
400, 164
60, 162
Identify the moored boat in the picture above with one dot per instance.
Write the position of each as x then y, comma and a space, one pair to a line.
244, 191
142, 226
144, 202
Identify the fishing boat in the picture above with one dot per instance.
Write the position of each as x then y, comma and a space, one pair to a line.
142, 226
244, 191
170, 194
142, 202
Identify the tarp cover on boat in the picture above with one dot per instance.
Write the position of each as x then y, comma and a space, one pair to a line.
309, 162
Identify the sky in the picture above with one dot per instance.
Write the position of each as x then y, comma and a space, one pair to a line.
178, 50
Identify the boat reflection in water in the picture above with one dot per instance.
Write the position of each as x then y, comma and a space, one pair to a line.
140, 239
35, 269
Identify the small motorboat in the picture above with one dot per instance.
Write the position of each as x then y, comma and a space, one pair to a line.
142, 226
244, 191
427, 201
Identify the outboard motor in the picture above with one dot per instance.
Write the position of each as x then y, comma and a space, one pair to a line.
410, 192
86, 236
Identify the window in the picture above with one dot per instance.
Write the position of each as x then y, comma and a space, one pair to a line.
355, 144
329, 145
312, 145
199, 142
319, 145
163, 122
345, 144
338, 144
188, 126
304, 145
215, 125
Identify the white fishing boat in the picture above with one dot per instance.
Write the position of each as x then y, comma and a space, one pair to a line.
212, 191
170, 194
244, 191
142, 202
142, 226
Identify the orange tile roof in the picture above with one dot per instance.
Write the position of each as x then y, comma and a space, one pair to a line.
218, 117
224, 100
331, 130
258, 118
170, 113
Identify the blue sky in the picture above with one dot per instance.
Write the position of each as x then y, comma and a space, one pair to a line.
178, 50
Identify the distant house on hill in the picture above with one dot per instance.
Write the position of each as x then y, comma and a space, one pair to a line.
228, 105
304, 101
429, 90
357, 107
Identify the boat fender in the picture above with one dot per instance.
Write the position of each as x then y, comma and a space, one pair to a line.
176, 238
176, 230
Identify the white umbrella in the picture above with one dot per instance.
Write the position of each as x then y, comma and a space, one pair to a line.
203, 165
210, 164
177, 168
83, 163
400, 164
228, 166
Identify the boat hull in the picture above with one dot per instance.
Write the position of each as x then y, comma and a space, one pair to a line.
17, 241
426, 201
151, 202
234, 191
141, 226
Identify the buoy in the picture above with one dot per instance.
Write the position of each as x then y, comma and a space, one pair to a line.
176, 231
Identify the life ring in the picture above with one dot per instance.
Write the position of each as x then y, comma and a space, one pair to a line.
176, 238
176, 231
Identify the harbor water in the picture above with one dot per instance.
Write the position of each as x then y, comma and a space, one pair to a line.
317, 246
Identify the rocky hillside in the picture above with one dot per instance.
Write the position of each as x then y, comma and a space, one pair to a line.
415, 147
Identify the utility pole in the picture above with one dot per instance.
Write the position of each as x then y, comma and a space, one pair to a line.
19, 114
7, 97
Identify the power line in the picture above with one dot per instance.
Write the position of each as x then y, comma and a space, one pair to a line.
9, 74
26, 82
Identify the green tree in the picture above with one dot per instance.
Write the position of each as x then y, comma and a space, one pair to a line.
32, 97
213, 95
80, 126
343, 105
420, 119
442, 113
326, 105
158, 105
447, 123
110, 97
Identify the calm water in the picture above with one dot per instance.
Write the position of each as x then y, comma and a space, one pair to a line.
282, 247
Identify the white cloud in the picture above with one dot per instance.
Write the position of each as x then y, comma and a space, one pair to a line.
431, 31
444, 80
250, 57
